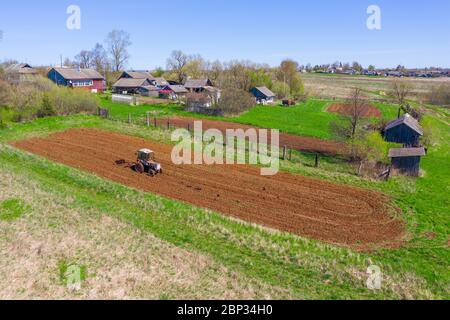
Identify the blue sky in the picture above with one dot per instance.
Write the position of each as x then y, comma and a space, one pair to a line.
414, 32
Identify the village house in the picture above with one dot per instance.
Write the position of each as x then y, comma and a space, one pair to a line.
173, 92
407, 160
19, 72
405, 130
135, 86
86, 79
197, 85
263, 95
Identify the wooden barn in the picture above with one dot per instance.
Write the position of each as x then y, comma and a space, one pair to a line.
263, 95
407, 160
405, 130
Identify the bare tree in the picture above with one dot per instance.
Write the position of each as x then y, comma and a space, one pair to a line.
84, 59
176, 63
400, 89
100, 58
350, 126
118, 42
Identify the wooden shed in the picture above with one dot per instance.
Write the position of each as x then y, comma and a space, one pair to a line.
405, 130
407, 160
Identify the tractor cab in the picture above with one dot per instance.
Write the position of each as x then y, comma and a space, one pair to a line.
146, 155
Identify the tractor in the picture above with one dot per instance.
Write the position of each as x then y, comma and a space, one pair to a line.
146, 163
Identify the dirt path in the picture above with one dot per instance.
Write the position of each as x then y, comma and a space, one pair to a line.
312, 208
291, 141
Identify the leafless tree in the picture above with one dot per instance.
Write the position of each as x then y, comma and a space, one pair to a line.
118, 42
176, 63
84, 59
400, 89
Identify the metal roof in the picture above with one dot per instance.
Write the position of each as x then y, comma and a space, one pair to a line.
131, 83
408, 120
140, 75
196, 83
407, 152
79, 74
265, 91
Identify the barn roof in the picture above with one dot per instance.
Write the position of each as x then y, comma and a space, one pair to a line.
161, 81
150, 88
131, 83
406, 152
265, 91
79, 74
178, 89
24, 68
140, 75
197, 83
407, 120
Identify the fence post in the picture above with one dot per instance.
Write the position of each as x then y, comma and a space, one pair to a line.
168, 124
290, 154
148, 119
129, 118
154, 120
284, 152
317, 161
189, 127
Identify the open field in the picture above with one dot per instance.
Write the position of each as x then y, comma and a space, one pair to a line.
340, 86
304, 206
253, 262
306, 119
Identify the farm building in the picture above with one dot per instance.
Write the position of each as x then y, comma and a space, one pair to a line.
19, 72
407, 160
263, 95
405, 130
134, 86
197, 85
86, 79
137, 75
173, 92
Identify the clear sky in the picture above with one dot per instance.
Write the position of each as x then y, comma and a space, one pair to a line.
413, 32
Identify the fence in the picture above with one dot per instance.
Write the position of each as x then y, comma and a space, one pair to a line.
149, 120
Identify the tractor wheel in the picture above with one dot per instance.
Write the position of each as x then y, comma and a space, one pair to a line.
139, 167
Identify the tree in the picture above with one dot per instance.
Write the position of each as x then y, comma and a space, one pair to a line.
158, 72
235, 101
289, 75
118, 42
84, 59
47, 109
350, 127
176, 63
357, 67
400, 89
100, 59
371, 68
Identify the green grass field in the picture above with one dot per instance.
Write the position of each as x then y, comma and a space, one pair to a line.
266, 263
307, 118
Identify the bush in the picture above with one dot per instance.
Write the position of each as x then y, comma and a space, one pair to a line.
439, 95
41, 98
235, 101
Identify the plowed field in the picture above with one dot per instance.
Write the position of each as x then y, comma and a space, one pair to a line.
308, 207
346, 110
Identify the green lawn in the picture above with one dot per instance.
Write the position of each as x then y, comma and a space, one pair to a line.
307, 268
307, 118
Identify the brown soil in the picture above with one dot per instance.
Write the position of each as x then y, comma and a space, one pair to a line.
344, 109
291, 141
307, 207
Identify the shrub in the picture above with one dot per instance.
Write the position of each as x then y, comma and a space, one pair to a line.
46, 109
235, 101
439, 95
